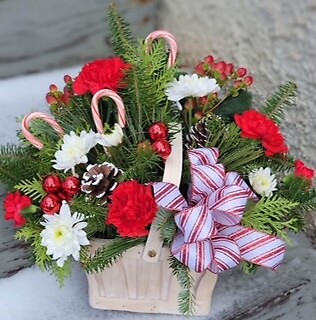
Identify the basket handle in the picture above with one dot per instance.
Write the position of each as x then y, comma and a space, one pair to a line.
169, 38
172, 174
96, 112
39, 115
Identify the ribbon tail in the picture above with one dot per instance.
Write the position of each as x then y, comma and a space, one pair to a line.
168, 196
226, 254
256, 247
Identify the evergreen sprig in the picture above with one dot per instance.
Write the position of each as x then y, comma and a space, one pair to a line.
105, 256
186, 298
121, 37
283, 98
271, 215
32, 187
13, 160
235, 152
166, 225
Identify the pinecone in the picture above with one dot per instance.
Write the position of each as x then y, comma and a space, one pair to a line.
198, 135
99, 181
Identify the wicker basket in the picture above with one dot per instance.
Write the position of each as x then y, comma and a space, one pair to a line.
141, 280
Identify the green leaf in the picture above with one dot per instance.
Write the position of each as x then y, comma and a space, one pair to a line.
234, 105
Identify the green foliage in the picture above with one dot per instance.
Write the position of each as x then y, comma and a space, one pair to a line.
33, 188
270, 215
284, 97
145, 98
234, 151
299, 190
144, 166
121, 36
234, 105
13, 168
166, 225
78, 116
186, 298
277, 164
63, 273
105, 256
31, 233
95, 215
248, 267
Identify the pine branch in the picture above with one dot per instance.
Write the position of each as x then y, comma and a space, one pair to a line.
13, 168
33, 188
95, 215
106, 256
62, 273
121, 36
235, 152
31, 234
166, 225
284, 97
186, 298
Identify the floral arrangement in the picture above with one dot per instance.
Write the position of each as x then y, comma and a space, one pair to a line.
94, 168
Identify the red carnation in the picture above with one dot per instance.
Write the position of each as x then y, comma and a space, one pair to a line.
14, 204
101, 74
133, 209
255, 125
301, 170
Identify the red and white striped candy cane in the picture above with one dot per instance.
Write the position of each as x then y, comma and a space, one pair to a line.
96, 112
45, 117
169, 38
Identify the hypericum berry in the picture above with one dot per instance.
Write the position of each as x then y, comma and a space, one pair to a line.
199, 115
53, 88
219, 66
241, 72
68, 79
248, 80
50, 204
157, 131
162, 148
144, 146
229, 69
50, 98
203, 100
199, 69
209, 59
190, 104
238, 84
52, 184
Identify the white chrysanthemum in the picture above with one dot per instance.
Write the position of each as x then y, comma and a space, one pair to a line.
74, 150
191, 86
63, 234
263, 181
111, 139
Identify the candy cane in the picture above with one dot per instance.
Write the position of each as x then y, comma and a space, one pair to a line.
96, 112
39, 115
171, 42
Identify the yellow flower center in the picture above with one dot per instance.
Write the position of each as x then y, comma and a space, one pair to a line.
59, 234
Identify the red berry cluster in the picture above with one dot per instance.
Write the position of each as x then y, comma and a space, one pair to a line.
58, 99
57, 191
158, 133
224, 72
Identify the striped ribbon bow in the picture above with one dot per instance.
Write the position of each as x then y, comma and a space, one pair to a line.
210, 234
